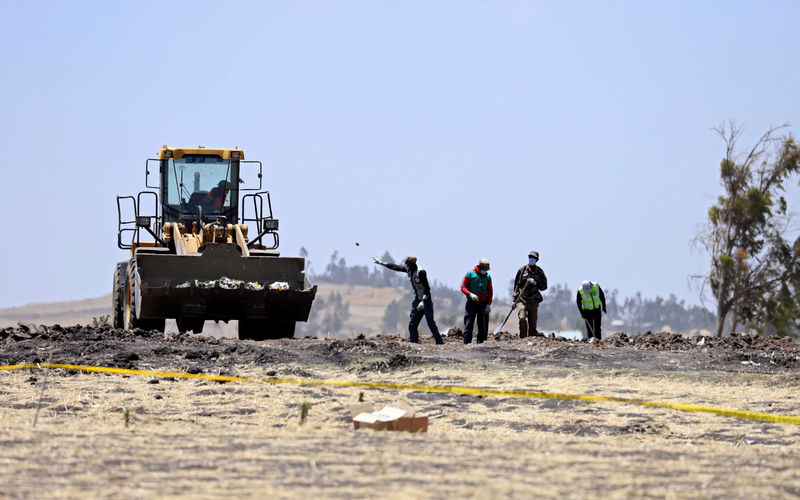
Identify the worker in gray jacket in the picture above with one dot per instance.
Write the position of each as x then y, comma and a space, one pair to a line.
528, 284
423, 303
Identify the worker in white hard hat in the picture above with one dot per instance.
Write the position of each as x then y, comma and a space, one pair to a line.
591, 300
477, 286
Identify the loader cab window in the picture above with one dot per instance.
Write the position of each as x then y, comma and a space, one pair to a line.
207, 181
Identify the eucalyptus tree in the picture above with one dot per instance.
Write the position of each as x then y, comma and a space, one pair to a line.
755, 267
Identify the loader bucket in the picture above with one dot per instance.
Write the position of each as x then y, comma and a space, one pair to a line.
158, 276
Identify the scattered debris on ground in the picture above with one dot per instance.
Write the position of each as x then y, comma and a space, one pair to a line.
103, 345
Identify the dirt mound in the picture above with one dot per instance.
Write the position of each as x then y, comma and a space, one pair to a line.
666, 341
105, 346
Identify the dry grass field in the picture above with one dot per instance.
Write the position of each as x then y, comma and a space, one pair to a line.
203, 439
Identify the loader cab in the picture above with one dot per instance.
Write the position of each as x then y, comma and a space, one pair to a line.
199, 182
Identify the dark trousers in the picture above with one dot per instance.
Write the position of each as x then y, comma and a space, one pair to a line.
592, 320
416, 317
471, 311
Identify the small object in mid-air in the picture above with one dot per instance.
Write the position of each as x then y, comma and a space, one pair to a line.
357, 243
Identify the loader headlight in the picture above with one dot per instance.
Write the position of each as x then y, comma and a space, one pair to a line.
236, 154
270, 224
168, 154
142, 221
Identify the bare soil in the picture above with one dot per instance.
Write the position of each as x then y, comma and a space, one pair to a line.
139, 437
203, 354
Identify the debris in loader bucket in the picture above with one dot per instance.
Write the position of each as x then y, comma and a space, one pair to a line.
230, 284
233, 284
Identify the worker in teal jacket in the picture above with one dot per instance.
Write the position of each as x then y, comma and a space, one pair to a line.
477, 286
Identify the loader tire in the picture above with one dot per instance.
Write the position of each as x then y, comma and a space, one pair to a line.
259, 329
118, 295
129, 319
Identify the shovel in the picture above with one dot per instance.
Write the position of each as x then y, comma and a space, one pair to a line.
589, 326
513, 306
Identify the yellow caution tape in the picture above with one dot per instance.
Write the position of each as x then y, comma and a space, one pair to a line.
748, 415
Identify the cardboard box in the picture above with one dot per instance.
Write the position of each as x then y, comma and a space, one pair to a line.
400, 417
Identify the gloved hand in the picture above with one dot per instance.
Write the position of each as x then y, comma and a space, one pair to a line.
473, 297
488, 308
532, 281
420, 306
375, 259
604, 310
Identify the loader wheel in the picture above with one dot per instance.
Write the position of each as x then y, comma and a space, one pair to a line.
250, 329
118, 295
130, 321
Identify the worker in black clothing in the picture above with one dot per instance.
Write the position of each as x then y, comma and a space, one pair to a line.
591, 300
529, 283
423, 303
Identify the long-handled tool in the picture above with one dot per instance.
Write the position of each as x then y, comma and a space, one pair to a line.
513, 306
589, 326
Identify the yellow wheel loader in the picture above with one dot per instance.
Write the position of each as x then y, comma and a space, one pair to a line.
194, 257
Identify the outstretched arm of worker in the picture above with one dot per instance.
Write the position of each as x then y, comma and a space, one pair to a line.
389, 265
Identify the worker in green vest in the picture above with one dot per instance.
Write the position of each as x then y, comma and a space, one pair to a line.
591, 300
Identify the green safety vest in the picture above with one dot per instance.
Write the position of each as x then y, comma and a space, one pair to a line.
592, 300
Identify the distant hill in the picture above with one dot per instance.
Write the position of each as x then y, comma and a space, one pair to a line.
63, 313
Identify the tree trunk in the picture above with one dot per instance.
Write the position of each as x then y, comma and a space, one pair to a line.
720, 324
722, 308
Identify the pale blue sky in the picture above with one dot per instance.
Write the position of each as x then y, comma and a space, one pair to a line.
452, 130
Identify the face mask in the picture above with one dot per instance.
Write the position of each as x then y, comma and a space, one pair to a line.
531, 261
483, 271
